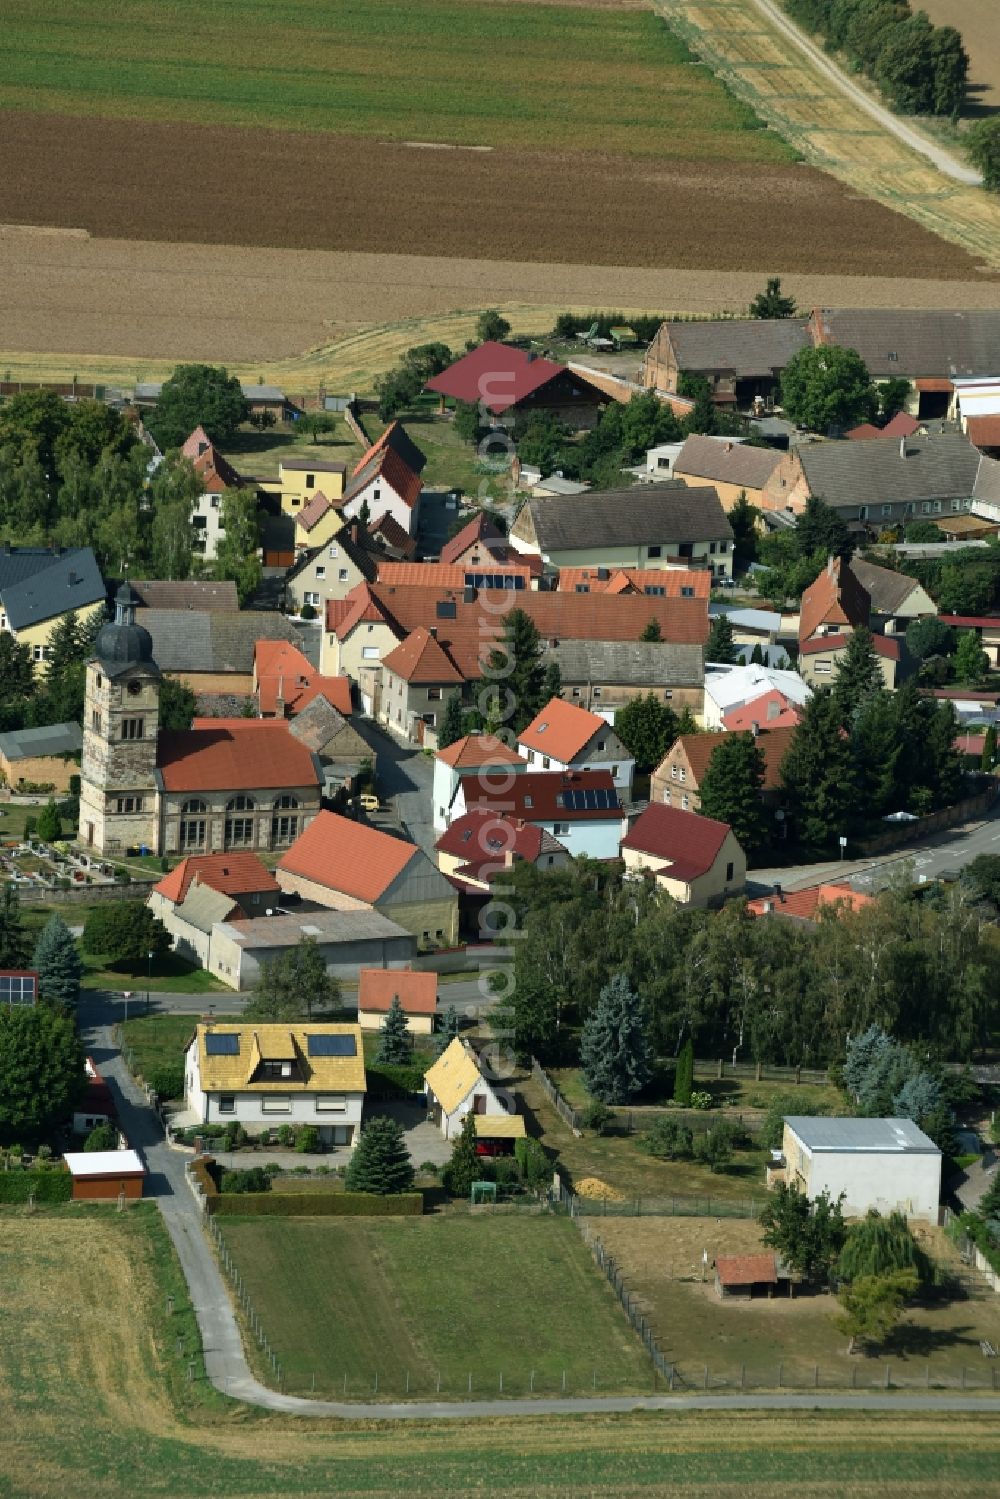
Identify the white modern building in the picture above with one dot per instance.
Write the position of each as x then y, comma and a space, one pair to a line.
887, 1164
263, 1076
730, 687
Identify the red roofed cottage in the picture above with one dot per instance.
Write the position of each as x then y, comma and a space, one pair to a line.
695, 859
417, 993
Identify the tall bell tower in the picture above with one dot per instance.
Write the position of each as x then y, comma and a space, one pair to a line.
119, 798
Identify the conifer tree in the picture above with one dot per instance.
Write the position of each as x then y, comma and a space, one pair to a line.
464, 1167
515, 667
614, 1051
731, 789
719, 646
49, 822
858, 678
14, 942
684, 1074
552, 683
381, 1162
394, 1040
989, 749
449, 1029
818, 774
58, 963
652, 631
452, 721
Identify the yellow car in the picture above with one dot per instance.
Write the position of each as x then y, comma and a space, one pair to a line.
369, 803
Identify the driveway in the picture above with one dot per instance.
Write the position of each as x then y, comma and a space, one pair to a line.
405, 777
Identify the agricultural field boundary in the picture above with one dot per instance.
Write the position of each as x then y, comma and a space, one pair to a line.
764, 66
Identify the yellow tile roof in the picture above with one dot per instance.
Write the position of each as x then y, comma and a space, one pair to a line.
453, 1076
280, 1043
500, 1126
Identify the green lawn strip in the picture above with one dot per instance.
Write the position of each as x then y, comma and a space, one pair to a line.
733, 1094
160, 1040
449, 1295
598, 80
169, 974
259, 454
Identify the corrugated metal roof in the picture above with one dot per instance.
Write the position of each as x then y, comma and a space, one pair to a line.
879, 1136
53, 739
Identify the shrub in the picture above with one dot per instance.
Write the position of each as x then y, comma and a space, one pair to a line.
668, 1139
308, 1140
167, 1079
308, 611
715, 1149
43, 1186
235, 1134
533, 1164
254, 1180
286, 1135
597, 1116
700, 1099
430, 1168
102, 1137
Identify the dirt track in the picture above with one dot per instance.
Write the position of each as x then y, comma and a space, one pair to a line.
221, 185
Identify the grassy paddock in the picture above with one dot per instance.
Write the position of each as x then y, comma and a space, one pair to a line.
160, 1040
582, 79
455, 1296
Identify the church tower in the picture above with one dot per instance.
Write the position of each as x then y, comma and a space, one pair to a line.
119, 798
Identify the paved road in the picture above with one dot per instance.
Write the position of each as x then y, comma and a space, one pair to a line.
225, 1360
464, 994
945, 162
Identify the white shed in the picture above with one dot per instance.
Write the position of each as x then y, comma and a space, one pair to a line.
887, 1164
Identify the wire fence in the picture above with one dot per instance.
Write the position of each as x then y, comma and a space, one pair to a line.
243, 1296
657, 1207
630, 1306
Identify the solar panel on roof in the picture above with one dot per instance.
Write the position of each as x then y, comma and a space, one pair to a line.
222, 1044
590, 800
331, 1046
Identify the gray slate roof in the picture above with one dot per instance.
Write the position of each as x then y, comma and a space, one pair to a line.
880, 1136
38, 583
326, 926
628, 663
197, 640
727, 462
317, 724
202, 906
54, 739
644, 515
742, 346
859, 473
932, 344
887, 590
987, 485
364, 560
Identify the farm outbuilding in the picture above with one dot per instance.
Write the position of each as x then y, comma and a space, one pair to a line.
738, 1277
105, 1175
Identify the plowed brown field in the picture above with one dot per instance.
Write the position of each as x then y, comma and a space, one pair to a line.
225, 185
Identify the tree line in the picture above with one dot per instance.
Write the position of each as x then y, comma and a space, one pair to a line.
921, 68
921, 963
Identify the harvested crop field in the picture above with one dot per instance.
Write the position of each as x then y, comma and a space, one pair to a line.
979, 24
276, 188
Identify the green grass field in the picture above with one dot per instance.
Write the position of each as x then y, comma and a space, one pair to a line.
96, 1402
455, 1296
457, 71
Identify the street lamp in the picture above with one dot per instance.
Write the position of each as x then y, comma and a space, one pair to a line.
126, 996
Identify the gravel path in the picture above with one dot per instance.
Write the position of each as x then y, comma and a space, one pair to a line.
945, 162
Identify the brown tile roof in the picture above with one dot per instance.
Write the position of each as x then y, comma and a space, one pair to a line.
419, 658
386, 464
233, 754
726, 462
804, 904
689, 842
191, 593
215, 472
562, 730
314, 511
398, 439
417, 991
546, 796
476, 750
673, 580
483, 838
772, 710
347, 856
834, 598
392, 533
231, 874
901, 425
984, 431
481, 529
746, 1269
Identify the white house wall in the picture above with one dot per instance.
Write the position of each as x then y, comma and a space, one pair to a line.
889, 1182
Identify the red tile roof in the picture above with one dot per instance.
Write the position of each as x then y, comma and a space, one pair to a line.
417, 991
445, 575
689, 842
419, 659
385, 464
746, 1269
283, 671
396, 437
673, 580
231, 874
347, 856
215, 472
971, 622
883, 645
984, 431
473, 751
480, 529
392, 533
901, 425
233, 754
805, 904
834, 598
761, 711
562, 730
538, 796
314, 511
495, 374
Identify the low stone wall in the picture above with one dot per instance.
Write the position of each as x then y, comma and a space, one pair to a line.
949, 817
82, 895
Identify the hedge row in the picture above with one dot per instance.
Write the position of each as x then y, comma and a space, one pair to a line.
44, 1186
318, 1205
383, 1080
975, 1227
201, 1170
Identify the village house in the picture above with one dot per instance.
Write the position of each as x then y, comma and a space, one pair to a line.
742, 360
696, 860
663, 582
386, 481
604, 675
47, 757
39, 587
346, 558
347, 866
209, 650
480, 545
652, 526
901, 425
484, 754
300, 479
833, 607
676, 781
478, 846
805, 905
896, 599
564, 736
416, 992
454, 1086
510, 382
342, 753
730, 468
205, 889
216, 475
580, 809
205, 595
772, 710
886, 1164
986, 628
345, 940
387, 536
285, 682
317, 523
222, 784
728, 688
261, 1076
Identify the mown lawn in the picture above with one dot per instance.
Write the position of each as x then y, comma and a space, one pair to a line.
473, 1296
169, 973
159, 1040
258, 454
97, 1403
517, 75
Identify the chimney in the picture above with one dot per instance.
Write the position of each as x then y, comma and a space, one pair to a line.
433, 632
72, 578
279, 702
829, 564
755, 728
777, 892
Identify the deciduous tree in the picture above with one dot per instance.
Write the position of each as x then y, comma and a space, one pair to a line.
41, 1068
125, 934
294, 986
197, 395
647, 728
827, 388
808, 1235
872, 1306
770, 303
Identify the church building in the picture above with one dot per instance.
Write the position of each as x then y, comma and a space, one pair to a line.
222, 784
